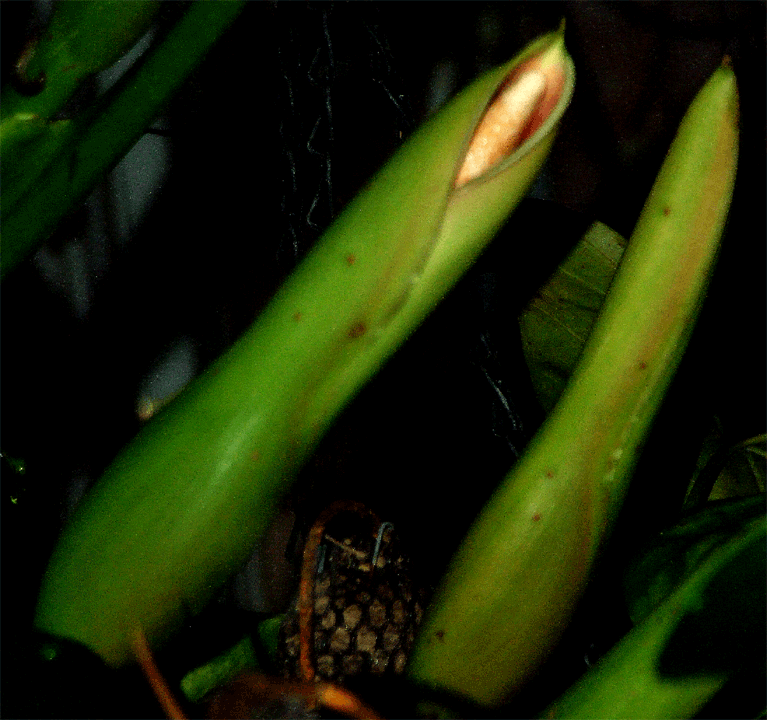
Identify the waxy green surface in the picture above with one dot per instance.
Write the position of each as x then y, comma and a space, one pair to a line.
513, 585
181, 507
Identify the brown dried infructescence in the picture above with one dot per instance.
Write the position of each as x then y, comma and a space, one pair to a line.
358, 608
515, 113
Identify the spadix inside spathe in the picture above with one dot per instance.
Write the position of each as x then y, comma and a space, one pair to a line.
518, 110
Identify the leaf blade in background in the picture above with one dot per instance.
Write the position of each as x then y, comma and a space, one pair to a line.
666, 562
670, 665
558, 320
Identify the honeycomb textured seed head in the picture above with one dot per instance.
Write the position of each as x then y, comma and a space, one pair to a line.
364, 617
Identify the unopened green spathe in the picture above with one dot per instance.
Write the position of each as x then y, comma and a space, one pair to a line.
514, 583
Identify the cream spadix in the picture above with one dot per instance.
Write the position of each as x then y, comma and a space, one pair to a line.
522, 104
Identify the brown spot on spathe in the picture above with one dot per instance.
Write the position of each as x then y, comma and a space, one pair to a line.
357, 330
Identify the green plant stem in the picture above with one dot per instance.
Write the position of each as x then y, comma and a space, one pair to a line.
83, 38
94, 143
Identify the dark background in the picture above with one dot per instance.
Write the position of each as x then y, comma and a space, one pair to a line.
297, 105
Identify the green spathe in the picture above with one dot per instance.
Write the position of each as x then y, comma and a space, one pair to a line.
514, 583
181, 506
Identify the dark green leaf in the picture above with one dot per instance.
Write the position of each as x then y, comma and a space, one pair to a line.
559, 318
728, 628
660, 568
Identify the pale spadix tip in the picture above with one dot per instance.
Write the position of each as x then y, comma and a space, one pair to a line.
526, 99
